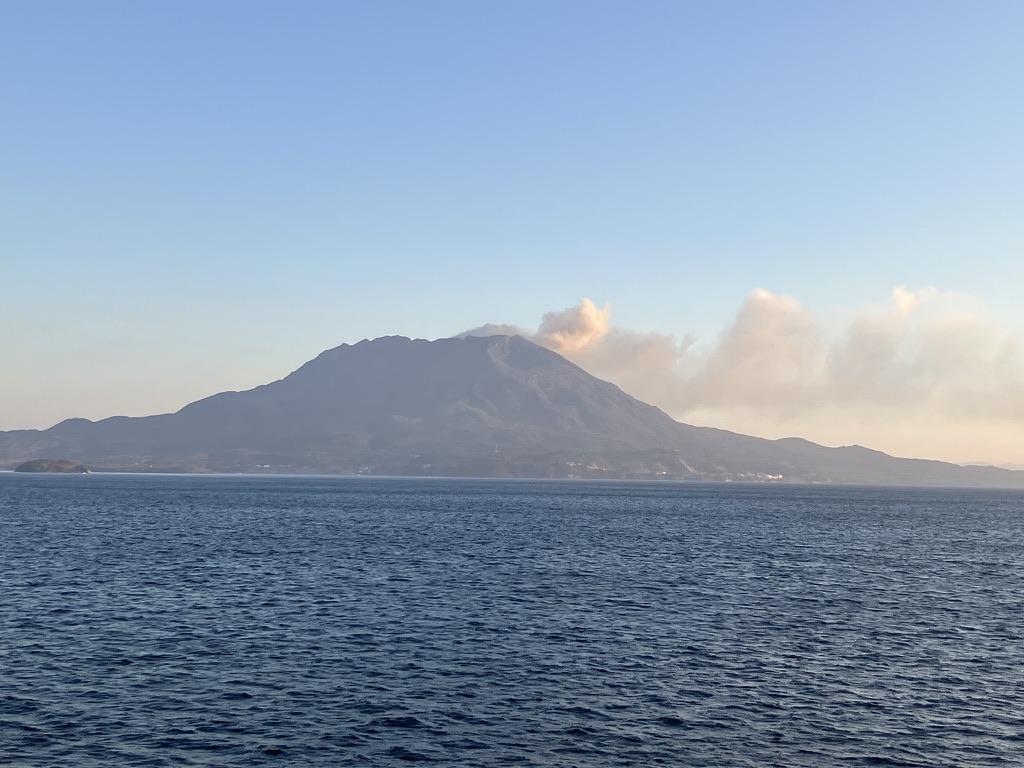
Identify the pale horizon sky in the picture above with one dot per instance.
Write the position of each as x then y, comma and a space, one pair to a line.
786, 218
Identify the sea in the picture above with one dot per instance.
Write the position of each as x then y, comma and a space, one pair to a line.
151, 620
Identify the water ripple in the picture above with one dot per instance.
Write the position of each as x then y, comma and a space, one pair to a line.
301, 621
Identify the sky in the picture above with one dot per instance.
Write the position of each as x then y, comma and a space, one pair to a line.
786, 218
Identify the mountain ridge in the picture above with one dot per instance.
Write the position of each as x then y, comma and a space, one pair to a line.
498, 406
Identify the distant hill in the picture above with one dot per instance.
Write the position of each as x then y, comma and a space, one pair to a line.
61, 466
495, 406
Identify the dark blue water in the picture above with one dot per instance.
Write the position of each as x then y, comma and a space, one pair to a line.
278, 621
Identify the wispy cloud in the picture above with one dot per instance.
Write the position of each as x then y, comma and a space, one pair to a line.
927, 372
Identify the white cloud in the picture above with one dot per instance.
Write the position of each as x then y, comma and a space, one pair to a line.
927, 373
576, 328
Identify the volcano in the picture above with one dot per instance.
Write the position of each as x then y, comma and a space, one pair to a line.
497, 406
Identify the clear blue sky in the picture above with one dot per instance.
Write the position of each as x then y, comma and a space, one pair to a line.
200, 196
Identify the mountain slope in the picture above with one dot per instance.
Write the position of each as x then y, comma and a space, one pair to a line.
493, 406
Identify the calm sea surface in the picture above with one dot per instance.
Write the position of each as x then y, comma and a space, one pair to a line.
152, 620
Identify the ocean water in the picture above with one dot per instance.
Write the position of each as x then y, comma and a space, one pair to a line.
157, 620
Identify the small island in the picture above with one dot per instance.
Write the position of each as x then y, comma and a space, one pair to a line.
52, 465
